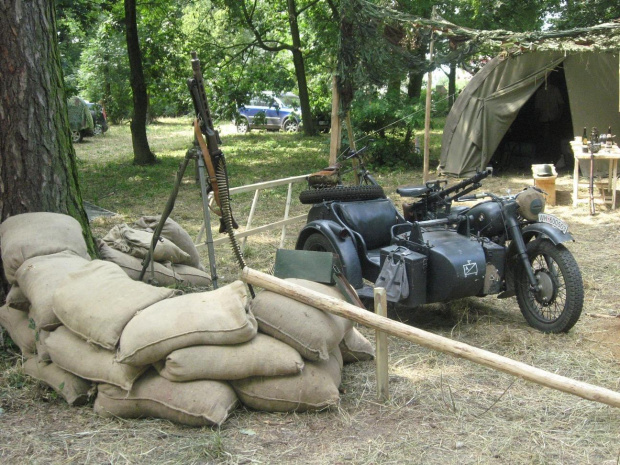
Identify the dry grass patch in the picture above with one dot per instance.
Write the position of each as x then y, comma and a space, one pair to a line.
442, 409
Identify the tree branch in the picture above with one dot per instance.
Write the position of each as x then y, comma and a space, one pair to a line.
262, 43
309, 5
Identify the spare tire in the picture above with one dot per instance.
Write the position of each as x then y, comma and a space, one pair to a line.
343, 193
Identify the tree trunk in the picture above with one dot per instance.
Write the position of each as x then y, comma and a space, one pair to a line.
300, 70
38, 170
142, 154
414, 86
451, 85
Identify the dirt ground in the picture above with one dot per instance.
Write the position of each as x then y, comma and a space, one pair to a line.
442, 410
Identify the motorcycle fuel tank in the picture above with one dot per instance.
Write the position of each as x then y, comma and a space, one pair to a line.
456, 266
486, 218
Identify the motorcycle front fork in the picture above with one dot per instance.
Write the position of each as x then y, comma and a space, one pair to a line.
514, 232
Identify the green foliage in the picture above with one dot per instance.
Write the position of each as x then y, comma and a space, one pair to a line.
573, 14
103, 75
394, 152
391, 122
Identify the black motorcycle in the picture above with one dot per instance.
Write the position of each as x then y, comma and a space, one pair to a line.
438, 252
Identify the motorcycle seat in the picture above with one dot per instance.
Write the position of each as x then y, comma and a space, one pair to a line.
371, 219
412, 191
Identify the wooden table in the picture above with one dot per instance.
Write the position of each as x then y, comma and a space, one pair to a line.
613, 155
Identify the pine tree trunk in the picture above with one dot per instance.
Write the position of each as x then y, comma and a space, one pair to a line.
38, 169
142, 154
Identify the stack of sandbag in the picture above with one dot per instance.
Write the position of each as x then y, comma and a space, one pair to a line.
175, 258
217, 318
151, 352
39, 250
293, 364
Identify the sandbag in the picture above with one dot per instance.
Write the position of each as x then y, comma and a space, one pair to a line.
40, 337
186, 274
16, 299
214, 317
93, 363
137, 243
34, 234
133, 266
20, 329
194, 403
312, 332
75, 390
175, 233
262, 356
97, 302
164, 275
315, 388
39, 277
354, 347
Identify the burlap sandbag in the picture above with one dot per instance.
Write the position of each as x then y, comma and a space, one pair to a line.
194, 403
17, 300
164, 275
75, 390
39, 277
40, 337
312, 332
33, 234
133, 266
93, 363
186, 274
98, 301
20, 329
262, 356
315, 388
215, 317
354, 347
137, 243
174, 233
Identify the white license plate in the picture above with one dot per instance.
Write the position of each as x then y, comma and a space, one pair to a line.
553, 221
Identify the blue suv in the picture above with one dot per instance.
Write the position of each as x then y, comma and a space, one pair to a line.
270, 111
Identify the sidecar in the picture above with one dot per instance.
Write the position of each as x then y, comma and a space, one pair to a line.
440, 263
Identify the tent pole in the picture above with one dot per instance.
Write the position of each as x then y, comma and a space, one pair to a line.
334, 143
427, 116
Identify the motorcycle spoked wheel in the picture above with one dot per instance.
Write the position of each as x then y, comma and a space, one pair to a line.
343, 193
557, 306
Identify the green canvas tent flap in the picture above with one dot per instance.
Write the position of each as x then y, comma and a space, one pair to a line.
490, 103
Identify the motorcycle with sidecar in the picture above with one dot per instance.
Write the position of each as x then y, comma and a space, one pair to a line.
436, 251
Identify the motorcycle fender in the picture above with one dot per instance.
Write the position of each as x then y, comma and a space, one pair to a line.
532, 231
343, 244
547, 231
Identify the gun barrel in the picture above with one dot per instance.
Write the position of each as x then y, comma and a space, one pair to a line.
475, 179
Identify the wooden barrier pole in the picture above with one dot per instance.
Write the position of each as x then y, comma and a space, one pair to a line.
381, 357
430, 340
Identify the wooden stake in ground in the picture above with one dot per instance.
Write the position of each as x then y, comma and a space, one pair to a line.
430, 340
381, 357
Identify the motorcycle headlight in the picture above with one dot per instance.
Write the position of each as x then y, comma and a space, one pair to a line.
531, 202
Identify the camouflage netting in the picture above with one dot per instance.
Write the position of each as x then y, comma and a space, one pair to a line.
375, 41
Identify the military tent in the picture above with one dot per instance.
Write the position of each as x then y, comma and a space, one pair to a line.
528, 107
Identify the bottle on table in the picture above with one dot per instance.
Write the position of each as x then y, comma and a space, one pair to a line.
584, 140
